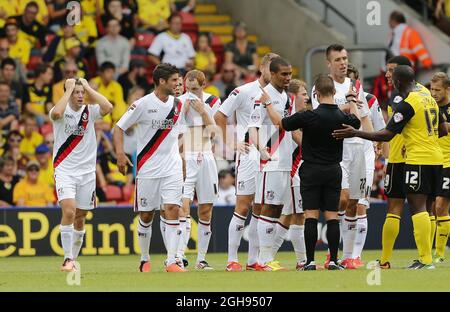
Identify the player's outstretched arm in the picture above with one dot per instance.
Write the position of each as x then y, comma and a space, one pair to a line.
58, 111
105, 106
122, 159
350, 132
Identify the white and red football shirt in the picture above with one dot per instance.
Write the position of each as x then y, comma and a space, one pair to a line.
191, 117
157, 140
75, 147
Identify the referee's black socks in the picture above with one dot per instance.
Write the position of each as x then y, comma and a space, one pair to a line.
333, 237
310, 238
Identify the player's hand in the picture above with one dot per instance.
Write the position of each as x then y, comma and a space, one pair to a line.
264, 154
378, 147
346, 132
265, 97
84, 83
122, 162
243, 147
70, 84
198, 106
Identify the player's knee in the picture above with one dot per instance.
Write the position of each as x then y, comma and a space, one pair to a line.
146, 217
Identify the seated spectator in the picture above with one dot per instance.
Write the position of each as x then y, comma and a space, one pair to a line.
136, 76
240, 51
227, 80
114, 48
44, 158
38, 95
7, 72
153, 14
57, 11
205, 59
30, 192
12, 149
227, 190
209, 86
9, 111
115, 10
73, 50
112, 90
20, 73
70, 70
42, 16
31, 136
183, 6
57, 48
175, 45
19, 47
8, 181
27, 23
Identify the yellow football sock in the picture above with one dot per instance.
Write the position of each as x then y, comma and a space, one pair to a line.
391, 228
433, 230
422, 233
442, 232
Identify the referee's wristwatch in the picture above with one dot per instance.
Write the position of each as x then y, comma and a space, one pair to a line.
267, 103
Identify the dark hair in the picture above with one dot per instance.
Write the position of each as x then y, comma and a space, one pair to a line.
399, 60
398, 17
334, 47
107, 65
8, 61
163, 71
223, 173
276, 63
325, 85
404, 74
174, 15
205, 34
77, 83
32, 3
41, 69
352, 69
111, 19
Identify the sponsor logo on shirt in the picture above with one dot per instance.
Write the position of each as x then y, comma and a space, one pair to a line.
68, 116
152, 111
162, 124
74, 129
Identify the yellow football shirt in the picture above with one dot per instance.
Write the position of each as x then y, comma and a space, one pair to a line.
28, 145
34, 195
114, 93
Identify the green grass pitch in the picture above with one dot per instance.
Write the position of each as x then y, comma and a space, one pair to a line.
119, 273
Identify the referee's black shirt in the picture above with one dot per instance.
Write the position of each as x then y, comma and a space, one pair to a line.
318, 144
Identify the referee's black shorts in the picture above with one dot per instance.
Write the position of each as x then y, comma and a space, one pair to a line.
394, 180
320, 186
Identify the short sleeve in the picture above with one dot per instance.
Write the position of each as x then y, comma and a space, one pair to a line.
377, 117
364, 110
400, 117
232, 102
131, 116
95, 111
157, 45
296, 121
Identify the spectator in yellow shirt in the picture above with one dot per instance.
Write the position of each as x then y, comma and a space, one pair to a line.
45, 161
153, 14
7, 8
205, 59
112, 90
30, 192
19, 47
31, 137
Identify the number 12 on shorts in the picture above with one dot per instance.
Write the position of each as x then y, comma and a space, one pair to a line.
411, 177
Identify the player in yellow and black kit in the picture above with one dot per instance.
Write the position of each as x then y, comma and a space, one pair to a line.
416, 116
393, 183
440, 85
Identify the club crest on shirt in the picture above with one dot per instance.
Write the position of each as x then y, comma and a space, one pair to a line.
85, 116
256, 116
398, 117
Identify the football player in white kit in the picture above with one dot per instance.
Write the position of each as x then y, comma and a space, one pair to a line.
371, 151
292, 220
200, 165
275, 146
74, 161
242, 101
159, 178
353, 160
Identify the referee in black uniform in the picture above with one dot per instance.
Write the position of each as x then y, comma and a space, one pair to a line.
320, 173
